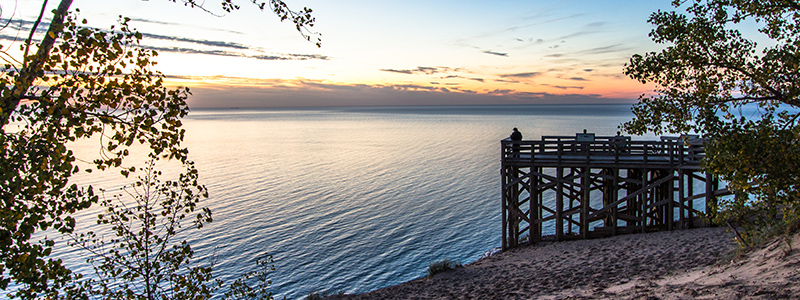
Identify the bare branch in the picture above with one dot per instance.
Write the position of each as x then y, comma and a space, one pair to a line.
33, 30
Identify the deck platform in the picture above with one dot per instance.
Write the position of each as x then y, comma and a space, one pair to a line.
563, 187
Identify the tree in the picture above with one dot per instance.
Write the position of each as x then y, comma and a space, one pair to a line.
142, 260
744, 97
80, 82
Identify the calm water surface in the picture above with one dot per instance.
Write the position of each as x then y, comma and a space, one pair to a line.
356, 199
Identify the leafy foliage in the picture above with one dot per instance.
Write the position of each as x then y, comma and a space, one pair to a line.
301, 19
94, 83
709, 75
253, 285
85, 83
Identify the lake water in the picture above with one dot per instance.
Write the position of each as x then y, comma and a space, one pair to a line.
360, 198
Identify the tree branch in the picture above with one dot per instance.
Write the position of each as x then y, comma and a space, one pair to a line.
33, 30
777, 95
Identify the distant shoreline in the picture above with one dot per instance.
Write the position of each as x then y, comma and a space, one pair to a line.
401, 106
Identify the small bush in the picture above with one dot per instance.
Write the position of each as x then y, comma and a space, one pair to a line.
524, 238
442, 266
314, 296
755, 227
319, 296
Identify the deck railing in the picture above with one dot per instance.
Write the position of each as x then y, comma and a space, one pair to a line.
613, 149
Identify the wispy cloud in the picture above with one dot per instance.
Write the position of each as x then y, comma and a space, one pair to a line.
615, 48
563, 87
422, 70
179, 44
501, 92
591, 28
20, 24
430, 70
412, 87
154, 21
506, 81
220, 44
538, 20
525, 43
238, 54
530, 40
159, 22
463, 77
521, 75
398, 71
495, 53
308, 56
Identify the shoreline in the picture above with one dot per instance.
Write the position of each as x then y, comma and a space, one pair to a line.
615, 267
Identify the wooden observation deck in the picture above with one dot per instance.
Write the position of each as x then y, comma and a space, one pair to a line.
579, 187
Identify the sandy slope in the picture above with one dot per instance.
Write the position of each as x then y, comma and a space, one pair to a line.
662, 265
772, 272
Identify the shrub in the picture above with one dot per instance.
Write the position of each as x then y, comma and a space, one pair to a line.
442, 266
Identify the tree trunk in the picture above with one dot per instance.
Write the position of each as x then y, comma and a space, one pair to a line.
32, 68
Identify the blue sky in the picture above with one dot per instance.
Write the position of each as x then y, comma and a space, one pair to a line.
389, 52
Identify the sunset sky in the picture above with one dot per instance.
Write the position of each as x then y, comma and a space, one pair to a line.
388, 52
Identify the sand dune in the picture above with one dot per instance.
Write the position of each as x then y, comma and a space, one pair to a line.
685, 264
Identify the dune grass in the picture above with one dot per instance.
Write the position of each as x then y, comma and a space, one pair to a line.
442, 266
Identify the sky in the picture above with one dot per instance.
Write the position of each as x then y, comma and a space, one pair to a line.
375, 52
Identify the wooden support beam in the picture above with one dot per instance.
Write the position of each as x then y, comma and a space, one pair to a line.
559, 203
534, 210
681, 199
690, 189
504, 201
633, 195
644, 196
615, 193
584, 221
671, 198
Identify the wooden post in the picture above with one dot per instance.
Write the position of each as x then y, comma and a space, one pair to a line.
584, 201
690, 204
632, 205
504, 201
671, 190
643, 197
681, 199
559, 203
535, 231
514, 204
681, 187
615, 193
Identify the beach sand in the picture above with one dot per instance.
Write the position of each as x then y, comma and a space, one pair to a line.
684, 264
